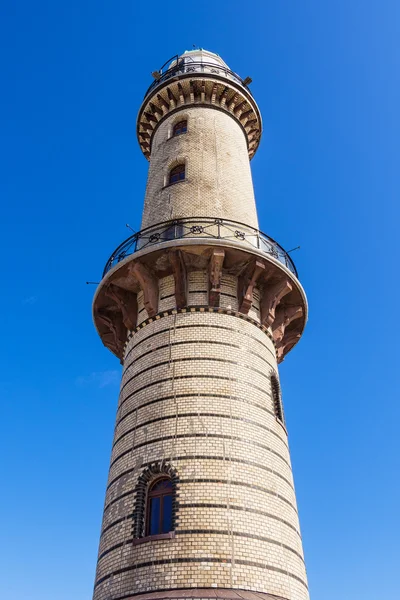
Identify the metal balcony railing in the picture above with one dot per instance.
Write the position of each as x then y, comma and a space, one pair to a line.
204, 228
184, 66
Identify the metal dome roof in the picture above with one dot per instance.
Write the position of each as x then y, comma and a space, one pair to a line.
199, 55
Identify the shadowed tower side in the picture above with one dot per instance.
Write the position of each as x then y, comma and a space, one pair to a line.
200, 307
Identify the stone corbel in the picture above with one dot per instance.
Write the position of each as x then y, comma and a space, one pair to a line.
116, 336
181, 94
146, 126
271, 297
149, 286
144, 135
203, 91
109, 342
286, 344
214, 93
250, 123
180, 277
215, 274
284, 316
233, 102
246, 284
155, 109
223, 97
126, 302
192, 91
163, 102
246, 114
253, 135
171, 98
150, 117
239, 108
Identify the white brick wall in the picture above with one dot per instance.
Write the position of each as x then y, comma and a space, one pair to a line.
196, 392
218, 178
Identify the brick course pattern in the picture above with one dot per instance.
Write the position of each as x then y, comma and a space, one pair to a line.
201, 400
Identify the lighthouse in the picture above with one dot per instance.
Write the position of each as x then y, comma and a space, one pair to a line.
200, 307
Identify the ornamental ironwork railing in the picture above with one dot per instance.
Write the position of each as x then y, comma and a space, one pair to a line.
200, 227
184, 66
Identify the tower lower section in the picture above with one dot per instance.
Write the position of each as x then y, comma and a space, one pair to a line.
196, 401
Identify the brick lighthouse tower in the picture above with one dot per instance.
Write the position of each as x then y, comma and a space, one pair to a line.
200, 307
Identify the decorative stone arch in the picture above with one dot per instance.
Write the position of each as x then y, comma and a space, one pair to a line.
180, 116
145, 480
277, 397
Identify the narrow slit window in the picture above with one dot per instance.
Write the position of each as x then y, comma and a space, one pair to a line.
159, 507
177, 174
179, 128
277, 398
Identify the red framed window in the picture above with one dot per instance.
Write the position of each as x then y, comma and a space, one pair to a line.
177, 174
159, 507
179, 128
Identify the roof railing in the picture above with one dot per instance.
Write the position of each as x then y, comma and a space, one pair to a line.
184, 66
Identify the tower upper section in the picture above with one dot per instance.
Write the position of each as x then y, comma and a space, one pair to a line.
199, 125
198, 77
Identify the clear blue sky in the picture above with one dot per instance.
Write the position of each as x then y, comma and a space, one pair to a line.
326, 77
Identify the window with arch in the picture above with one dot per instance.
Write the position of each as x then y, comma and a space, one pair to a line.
277, 398
159, 507
155, 506
179, 128
177, 174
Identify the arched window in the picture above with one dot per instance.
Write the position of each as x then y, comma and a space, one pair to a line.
179, 128
159, 507
154, 485
277, 398
177, 174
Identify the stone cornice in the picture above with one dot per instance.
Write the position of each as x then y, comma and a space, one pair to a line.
200, 90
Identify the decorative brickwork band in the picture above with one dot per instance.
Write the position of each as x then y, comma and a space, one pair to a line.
197, 326
197, 457
145, 479
202, 309
206, 559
